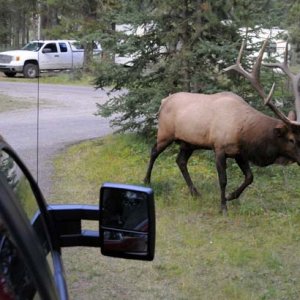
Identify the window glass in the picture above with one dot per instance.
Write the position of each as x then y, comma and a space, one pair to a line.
19, 184
51, 46
76, 46
15, 279
63, 47
33, 46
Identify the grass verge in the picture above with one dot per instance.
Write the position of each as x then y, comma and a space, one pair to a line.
251, 254
75, 77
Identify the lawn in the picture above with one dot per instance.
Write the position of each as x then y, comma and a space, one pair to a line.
253, 253
72, 77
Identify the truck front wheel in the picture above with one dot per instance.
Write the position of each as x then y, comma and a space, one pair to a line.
10, 74
31, 70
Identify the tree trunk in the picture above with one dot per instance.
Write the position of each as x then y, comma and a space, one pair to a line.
88, 55
186, 50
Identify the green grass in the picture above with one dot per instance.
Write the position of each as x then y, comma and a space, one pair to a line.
76, 77
253, 253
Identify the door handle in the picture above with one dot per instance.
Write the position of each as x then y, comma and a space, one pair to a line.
56, 55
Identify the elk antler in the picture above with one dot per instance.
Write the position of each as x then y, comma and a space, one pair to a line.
254, 78
294, 79
282, 116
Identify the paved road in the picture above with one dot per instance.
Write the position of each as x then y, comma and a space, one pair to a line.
66, 116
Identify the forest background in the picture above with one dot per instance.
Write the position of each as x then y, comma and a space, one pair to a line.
183, 46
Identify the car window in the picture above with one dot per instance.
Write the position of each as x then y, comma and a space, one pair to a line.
63, 47
15, 279
33, 46
19, 183
51, 46
76, 45
13, 271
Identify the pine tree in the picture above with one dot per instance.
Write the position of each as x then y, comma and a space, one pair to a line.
183, 47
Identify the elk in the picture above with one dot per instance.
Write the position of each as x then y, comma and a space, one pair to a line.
225, 123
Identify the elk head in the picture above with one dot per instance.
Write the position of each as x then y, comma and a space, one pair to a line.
291, 130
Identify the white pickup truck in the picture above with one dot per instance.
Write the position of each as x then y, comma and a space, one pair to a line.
39, 56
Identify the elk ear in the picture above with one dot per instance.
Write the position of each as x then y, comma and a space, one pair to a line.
280, 130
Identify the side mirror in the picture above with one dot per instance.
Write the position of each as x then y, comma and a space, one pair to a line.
127, 221
46, 50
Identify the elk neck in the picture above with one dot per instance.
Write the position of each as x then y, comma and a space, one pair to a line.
259, 143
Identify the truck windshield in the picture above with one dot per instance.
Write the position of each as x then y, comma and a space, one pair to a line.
33, 46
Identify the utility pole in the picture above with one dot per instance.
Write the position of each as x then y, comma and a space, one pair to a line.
39, 20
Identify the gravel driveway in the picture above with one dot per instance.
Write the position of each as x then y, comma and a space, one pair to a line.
66, 116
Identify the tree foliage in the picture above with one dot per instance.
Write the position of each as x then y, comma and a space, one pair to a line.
173, 45
292, 22
183, 47
16, 19
82, 20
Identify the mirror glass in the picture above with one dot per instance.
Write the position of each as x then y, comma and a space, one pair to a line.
19, 184
127, 221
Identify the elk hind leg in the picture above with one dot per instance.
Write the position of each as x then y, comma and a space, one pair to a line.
184, 154
157, 149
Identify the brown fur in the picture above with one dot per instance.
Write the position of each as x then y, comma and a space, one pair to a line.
226, 124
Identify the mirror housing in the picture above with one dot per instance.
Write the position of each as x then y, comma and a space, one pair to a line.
127, 221
46, 50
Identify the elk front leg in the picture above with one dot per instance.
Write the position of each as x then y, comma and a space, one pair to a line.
245, 167
221, 169
182, 160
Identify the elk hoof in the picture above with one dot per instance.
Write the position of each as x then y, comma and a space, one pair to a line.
195, 193
223, 210
146, 180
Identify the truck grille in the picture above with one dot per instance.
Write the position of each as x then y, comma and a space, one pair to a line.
5, 59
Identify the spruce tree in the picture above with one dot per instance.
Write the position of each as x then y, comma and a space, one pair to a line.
183, 47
